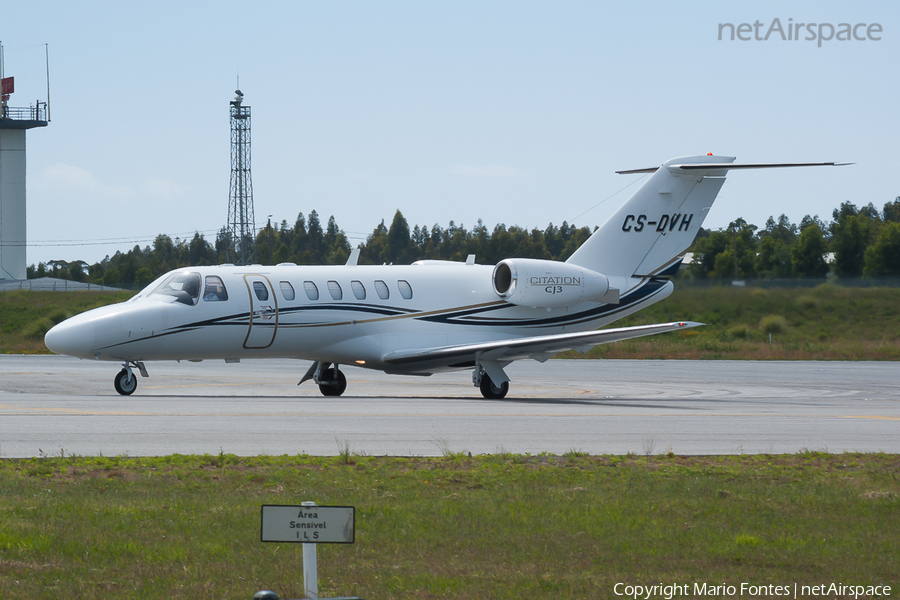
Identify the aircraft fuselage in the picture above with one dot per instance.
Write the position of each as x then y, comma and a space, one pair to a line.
353, 315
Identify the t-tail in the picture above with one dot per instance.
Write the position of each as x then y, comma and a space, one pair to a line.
650, 233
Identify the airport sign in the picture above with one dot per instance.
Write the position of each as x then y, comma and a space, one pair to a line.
308, 524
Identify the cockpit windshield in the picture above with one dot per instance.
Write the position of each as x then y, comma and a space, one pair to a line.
185, 287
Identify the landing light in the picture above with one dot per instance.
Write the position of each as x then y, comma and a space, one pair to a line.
360, 362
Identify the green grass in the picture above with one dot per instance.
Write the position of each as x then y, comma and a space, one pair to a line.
25, 316
505, 526
828, 322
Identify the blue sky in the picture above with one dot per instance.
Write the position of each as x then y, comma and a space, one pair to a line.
511, 112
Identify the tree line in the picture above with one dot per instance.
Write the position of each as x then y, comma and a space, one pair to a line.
306, 242
864, 242
858, 242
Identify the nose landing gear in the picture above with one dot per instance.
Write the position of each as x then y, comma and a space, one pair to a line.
126, 381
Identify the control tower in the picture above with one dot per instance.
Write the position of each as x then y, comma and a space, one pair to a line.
14, 122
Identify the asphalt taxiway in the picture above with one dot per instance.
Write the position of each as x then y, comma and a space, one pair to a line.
53, 404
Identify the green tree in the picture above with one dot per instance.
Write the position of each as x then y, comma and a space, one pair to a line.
375, 250
77, 270
782, 230
399, 248
808, 256
883, 257
774, 258
165, 253
112, 277
315, 240
714, 254
870, 211
807, 220
265, 245
338, 247
200, 251
143, 276
706, 250
850, 239
891, 211
847, 209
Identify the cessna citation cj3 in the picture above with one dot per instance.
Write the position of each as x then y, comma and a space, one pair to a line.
416, 319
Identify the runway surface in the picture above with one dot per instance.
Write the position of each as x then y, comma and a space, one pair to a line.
53, 404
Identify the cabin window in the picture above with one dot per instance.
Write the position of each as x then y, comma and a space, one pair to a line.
185, 287
405, 289
261, 291
334, 288
312, 292
215, 289
287, 290
382, 289
359, 290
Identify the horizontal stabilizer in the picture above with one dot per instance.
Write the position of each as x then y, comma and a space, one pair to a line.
539, 347
731, 167
649, 233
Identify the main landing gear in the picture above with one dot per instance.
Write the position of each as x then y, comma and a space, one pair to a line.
126, 381
489, 377
492, 391
331, 381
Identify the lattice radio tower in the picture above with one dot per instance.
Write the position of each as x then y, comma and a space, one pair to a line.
241, 224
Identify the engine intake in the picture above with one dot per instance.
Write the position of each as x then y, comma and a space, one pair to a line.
550, 284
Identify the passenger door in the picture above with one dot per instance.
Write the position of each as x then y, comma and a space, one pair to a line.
263, 312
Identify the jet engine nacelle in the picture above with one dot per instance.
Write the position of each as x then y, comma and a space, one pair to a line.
550, 284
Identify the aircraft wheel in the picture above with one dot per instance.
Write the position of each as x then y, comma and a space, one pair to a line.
123, 385
491, 391
333, 383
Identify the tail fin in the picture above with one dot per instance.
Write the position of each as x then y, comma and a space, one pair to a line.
649, 234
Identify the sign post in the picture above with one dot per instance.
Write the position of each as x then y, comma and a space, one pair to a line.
310, 567
309, 525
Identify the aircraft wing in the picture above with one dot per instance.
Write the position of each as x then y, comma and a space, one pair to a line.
540, 348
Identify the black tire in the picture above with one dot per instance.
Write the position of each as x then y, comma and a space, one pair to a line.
333, 383
491, 391
123, 386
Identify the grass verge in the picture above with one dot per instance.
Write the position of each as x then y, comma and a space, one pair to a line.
503, 526
828, 322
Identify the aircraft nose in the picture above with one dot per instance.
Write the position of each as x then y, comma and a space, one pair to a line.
73, 337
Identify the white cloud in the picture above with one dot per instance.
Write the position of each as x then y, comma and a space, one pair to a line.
69, 179
487, 171
74, 181
160, 189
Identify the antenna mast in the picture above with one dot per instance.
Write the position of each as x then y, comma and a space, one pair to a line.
241, 222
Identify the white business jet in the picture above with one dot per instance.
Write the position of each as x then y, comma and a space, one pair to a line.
416, 319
